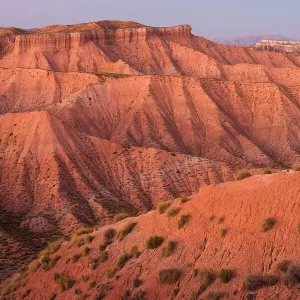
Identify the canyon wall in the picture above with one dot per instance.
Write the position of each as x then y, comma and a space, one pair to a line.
63, 40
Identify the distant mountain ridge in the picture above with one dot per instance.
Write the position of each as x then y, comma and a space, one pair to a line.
251, 40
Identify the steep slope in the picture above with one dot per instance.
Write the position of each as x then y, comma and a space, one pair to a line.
62, 180
29, 89
113, 47
109, 117
238, 123
225, 229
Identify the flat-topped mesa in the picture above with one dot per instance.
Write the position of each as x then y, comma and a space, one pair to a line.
68, 40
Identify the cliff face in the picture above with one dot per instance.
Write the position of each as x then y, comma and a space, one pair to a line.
68, 40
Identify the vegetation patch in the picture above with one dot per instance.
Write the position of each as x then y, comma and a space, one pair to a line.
255, 282
183, 220
267, 171
215, 296
207, 277
169, 249
123, 260
242, 174
221, 219
172, 212
34, 266
184, 199
85, 230
11, 285
155, 241
169, 276
226, 275
76, 257
109, 234
126, 230
268, 224
121, 216
86, 251
163, 206
64, 282
223, 232
78, 240
95, 261
90, 238
290, 273
55, 246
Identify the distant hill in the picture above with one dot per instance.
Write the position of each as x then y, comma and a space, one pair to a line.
250, 40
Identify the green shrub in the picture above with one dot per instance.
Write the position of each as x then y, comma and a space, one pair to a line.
120, 216
211, 218
221, 219
109, 234
291, 276
268, 224
76, 257
169, 276
10, 285
95, 261
163, 206
241, 174
85, 230
45, 261
173, 211
86, 251
90, 238
137, 282
184, 199
223, 232
283, 266
77, 240
111, 272
123, 260
226, 275
134, 252
53, 262
154, 242
93, 284
214, 296
126, 230
207, 277
55, 246
183, 220
168, 249
64, 281
255, 282
103, 257
34, 266
267, 171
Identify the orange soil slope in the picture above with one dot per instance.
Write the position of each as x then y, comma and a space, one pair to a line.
30, 89
233, 239
53, 179
107, 116
244, 124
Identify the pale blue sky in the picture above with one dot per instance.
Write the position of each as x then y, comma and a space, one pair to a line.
210, 18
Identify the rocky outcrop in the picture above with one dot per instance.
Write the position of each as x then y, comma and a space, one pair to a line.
62, 40
278, 46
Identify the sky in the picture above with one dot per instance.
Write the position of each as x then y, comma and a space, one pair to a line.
209, 18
